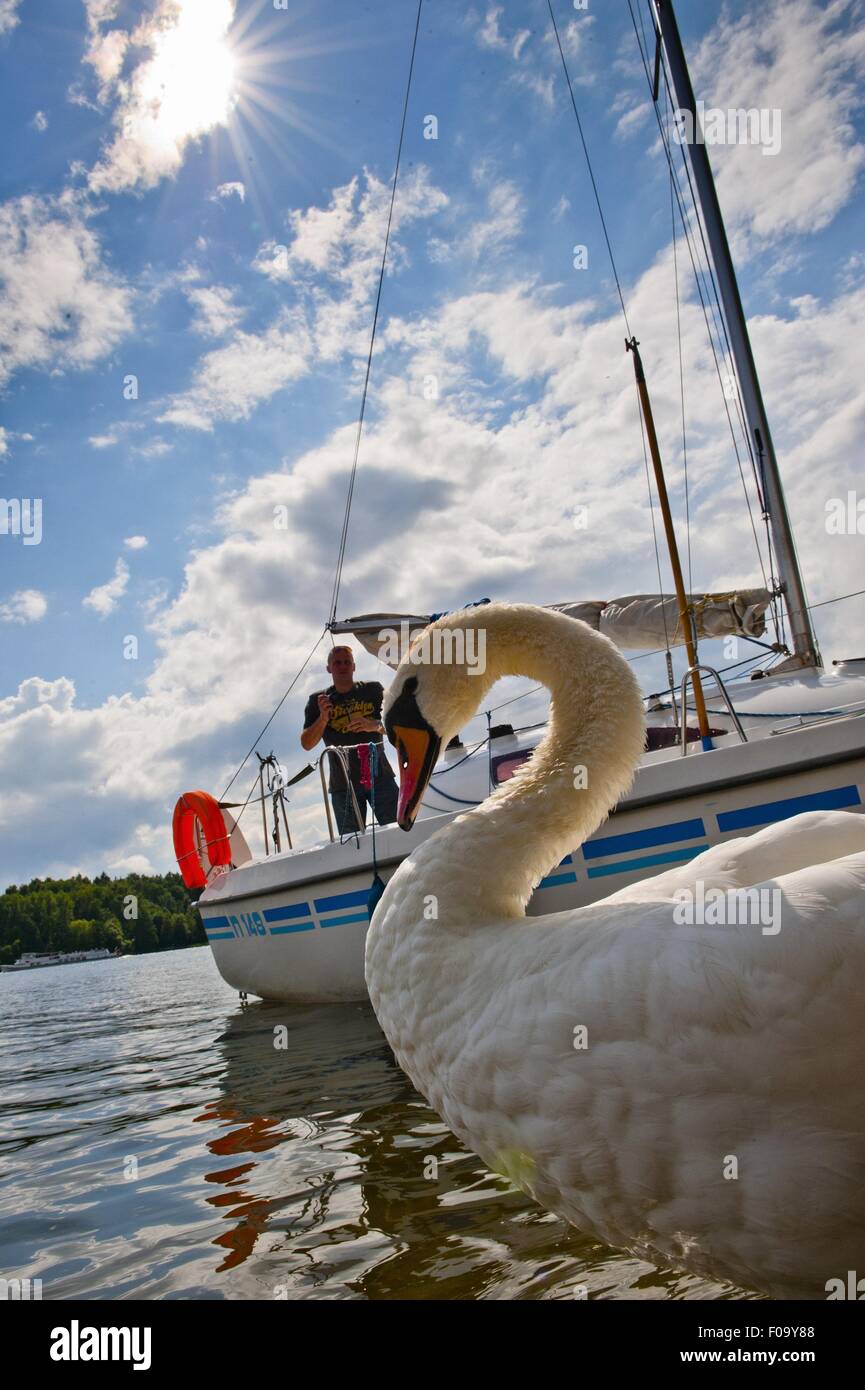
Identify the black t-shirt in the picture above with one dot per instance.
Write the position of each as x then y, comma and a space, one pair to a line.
363, 701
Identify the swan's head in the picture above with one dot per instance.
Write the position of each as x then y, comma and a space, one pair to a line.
436, 690
443, 678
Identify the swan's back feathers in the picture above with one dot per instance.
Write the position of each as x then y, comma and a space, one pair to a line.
707, 1050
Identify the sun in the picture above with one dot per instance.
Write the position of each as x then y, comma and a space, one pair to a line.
188, 85
210, 67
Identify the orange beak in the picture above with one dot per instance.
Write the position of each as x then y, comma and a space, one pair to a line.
417, 752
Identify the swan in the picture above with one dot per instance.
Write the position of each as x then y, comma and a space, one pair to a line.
712, 1114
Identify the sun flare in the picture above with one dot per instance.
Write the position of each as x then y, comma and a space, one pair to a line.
188, 86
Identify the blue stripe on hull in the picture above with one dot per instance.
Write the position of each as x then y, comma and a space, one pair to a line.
342, 900
294, 926
644, 839
627, 866
769, 811
281, 914
353, 917
553, 879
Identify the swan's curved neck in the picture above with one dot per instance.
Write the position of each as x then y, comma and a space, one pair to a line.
502, 849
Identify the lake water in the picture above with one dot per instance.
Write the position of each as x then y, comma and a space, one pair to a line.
155, 1144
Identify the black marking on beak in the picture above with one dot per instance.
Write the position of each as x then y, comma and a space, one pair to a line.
417, 745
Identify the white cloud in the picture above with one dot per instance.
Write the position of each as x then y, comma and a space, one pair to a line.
546, 84
215, 313
489, 34
344, 240
8, 15
574, 35
36, 693
495, 234
231, 381
162, 104
40, 122
807, 61
542, 84
105, 597
135, 542
230, 190
7, 435
438, 250
130, 864
851, 272
100, 12
62, 307
24, 606
634, 120
332, 256
102, 441
155, 449
105, 55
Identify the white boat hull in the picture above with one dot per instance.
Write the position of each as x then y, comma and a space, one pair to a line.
292, 927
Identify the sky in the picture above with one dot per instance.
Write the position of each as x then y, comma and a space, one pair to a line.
194, 197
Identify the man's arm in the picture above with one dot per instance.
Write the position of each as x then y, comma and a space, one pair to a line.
372, 724
313, 732
362, 725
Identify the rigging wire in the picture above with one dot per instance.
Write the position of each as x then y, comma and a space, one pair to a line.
237, 818
590, 169
681, 368
312, 652
352, 476
809, 608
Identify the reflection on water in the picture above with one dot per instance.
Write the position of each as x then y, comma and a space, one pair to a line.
158, 1141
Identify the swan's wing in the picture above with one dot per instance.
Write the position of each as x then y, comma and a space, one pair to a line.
812, 838
712, 1109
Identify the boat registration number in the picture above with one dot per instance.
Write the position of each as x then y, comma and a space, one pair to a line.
247, 924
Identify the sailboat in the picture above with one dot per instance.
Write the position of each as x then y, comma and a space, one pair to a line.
723, 758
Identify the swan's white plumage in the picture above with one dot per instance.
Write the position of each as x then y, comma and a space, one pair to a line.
704, 1042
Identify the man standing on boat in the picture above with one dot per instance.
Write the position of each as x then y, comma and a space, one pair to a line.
346, 715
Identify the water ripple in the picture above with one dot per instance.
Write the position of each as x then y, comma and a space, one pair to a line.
160, 1142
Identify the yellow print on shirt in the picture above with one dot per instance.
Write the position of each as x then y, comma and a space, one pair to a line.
343, 714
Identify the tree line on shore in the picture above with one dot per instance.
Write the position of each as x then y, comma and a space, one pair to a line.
138, 913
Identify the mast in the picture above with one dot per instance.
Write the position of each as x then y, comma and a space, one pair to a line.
792, 586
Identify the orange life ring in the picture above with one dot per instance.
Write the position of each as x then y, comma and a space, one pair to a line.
202, 808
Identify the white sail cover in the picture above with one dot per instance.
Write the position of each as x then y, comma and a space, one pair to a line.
637, 622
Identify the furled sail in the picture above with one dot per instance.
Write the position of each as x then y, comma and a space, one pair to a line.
638, 622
